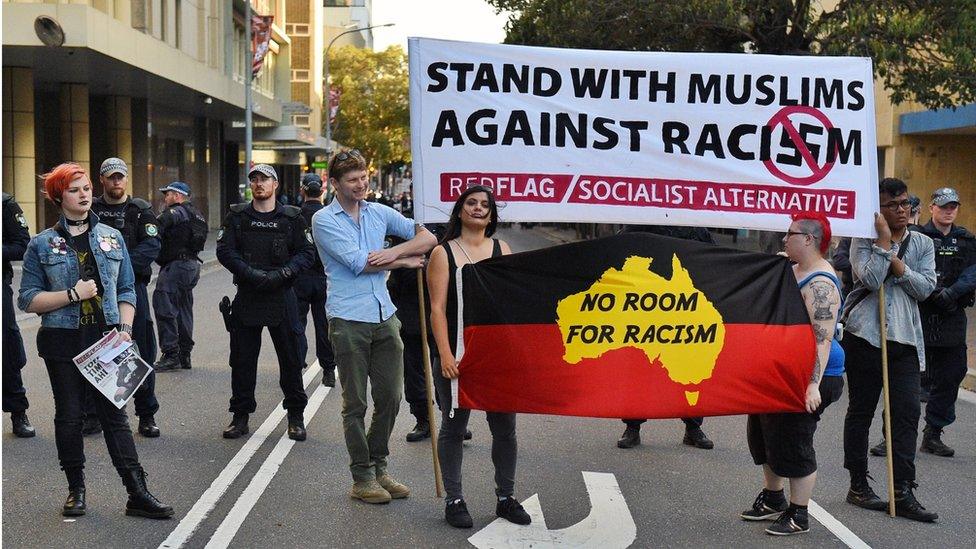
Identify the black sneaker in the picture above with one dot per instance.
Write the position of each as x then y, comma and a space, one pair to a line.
696, 437
907, 506
512, 511
766, 506
793, 521
861, 495
456, 514
630, 438
879, 449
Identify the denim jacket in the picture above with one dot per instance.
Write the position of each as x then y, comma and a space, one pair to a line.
47, 271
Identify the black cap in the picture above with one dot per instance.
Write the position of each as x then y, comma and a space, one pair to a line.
312, 183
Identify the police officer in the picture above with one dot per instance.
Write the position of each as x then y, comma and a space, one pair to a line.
134, 218
944, 316
15, 241
311, 287
184, 234
265, 245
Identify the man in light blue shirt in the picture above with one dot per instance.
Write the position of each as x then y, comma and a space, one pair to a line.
365, 334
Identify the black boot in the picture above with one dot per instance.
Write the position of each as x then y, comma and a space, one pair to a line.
931, 442
147, 426
420, 431
74, 506
907, 506
630, 438
22, 425
141, 503
237, 427
296, 426
862, 495
185, 361
168, 362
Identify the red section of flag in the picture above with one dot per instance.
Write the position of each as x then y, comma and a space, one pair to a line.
519, 368
260, 41
654, 193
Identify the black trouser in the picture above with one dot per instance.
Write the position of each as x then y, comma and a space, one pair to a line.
14, 357
173, 302
414, 382
70, 389
145, 340
864, 386
310, 292
691, 423
946, 368
450, 438
245, 346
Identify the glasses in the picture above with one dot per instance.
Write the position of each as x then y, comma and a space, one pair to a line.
346, 155
895, 206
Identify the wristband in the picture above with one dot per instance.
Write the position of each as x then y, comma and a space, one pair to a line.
127, 328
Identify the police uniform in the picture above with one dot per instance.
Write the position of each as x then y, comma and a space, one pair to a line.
15, 241
178, 276
264, 251
136, 221
944, 322
310, 290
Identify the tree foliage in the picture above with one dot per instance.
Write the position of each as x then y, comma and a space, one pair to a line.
923, 50
374, 108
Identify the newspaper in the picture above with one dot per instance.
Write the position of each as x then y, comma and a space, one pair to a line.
114, 367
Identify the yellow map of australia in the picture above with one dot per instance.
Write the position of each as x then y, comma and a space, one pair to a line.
670, 320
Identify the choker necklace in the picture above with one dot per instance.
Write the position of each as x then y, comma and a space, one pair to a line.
73, 223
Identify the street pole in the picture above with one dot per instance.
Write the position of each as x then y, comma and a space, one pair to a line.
248, 73
328, 88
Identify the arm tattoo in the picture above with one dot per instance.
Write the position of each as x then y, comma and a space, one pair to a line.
822, 300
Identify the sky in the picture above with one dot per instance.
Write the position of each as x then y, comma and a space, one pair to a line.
469, 20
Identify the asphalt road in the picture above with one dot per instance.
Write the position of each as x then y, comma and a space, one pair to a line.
678, 496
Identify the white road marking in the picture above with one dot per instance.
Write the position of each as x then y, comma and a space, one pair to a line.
202, 508
235, 518
836, 527
608, 526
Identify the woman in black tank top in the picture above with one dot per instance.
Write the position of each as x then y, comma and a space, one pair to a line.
467, 240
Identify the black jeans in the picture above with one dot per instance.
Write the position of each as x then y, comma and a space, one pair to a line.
863, 365
946, 368
70, 388
450, 439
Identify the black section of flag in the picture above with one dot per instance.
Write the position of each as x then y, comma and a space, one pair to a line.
743, 286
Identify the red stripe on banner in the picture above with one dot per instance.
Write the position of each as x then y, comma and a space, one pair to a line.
519, 368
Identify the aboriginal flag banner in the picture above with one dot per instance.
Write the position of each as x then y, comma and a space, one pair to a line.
633, 326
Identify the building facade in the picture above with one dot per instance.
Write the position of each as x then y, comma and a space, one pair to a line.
158, 83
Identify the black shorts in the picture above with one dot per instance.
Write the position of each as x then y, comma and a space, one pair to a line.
785, 441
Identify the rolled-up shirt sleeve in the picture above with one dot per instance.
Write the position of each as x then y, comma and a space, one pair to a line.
870, 263
342, 246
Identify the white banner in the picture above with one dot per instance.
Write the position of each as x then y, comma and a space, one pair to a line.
114, 367
714, 140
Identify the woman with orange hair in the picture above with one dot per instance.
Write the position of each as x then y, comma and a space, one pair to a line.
77, 275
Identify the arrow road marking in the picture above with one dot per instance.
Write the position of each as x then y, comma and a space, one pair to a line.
609, 524
202, 508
